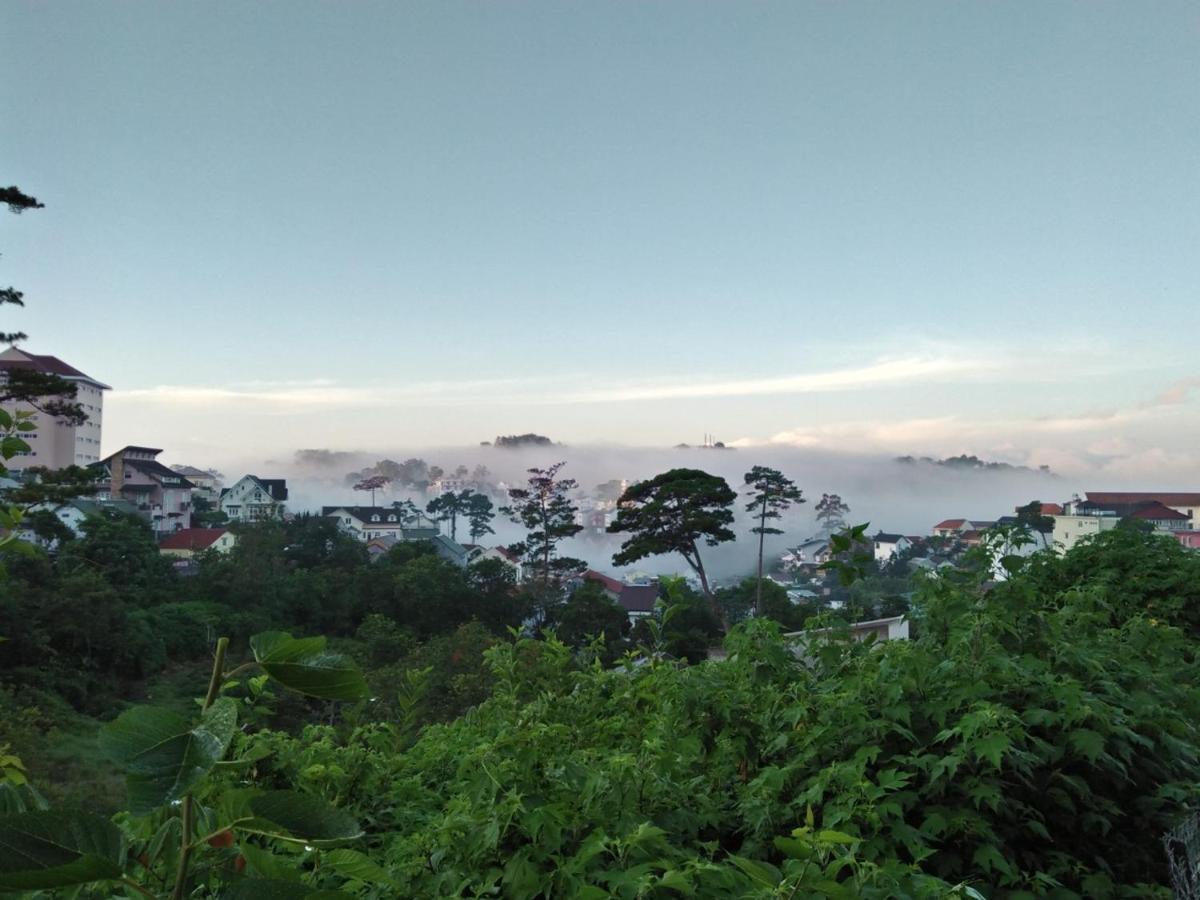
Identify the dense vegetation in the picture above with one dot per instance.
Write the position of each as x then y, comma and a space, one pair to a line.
1036, 738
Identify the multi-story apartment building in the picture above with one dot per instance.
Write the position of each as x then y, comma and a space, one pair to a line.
56, 444
160, 494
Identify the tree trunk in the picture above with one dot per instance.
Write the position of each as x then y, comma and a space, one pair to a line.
712, 600
762, 536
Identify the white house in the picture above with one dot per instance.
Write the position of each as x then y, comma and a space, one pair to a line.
187, 543
505, 556
366, 523
72, 514
888, 545
254, 499
893, 628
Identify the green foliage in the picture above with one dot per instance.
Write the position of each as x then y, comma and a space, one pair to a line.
449, 506
170, 761
44, 849
305, 666
1028, 742
774, 604
590, 613
164, 755
674, 513
772, 493
544, 508
1035, 738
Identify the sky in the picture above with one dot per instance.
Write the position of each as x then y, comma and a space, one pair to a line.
924, 228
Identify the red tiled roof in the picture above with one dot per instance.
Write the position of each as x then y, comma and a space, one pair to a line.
1157, 511
1168, 498
969, 536
608, 583
192, 539
950, 523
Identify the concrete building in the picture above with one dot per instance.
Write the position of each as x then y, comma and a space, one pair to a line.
161, 495
254, 499
1125, 502
1071, 529
56, 444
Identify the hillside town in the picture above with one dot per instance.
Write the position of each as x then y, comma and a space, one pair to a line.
193, 511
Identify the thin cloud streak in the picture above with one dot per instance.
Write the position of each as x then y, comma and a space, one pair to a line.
884, 372
324, 394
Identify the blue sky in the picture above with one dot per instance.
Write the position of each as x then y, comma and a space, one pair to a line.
920, 227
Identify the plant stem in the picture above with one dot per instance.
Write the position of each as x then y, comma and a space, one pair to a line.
185, 811
214, 682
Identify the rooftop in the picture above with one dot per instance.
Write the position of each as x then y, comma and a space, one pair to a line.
1168, 498
15, 358
192, 539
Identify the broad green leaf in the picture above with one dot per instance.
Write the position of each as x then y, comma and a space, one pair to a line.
1087, 742
163, 754
269, 866
305, 666
761, 873
358, 866
302, 817
46, 849
826, 836
992, 748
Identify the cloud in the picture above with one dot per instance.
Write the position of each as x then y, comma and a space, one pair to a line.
883, 372
326, 394
1177, 392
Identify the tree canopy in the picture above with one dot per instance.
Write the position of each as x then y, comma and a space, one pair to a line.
675, 512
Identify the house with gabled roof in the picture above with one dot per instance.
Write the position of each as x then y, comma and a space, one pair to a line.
254, 499
161, 495
365, 523
950, 528
190, 541
888, 545
506, 556
637, 600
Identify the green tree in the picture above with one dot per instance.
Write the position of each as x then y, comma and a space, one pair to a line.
772, 493
1030, 517
589, 613
373, 483
449, 506
831, 512
51, 394
206, 514
674, 513
769, 599
480, 512
547, 513
499, 604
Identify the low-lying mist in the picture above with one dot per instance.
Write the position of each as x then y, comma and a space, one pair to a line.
892, 496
